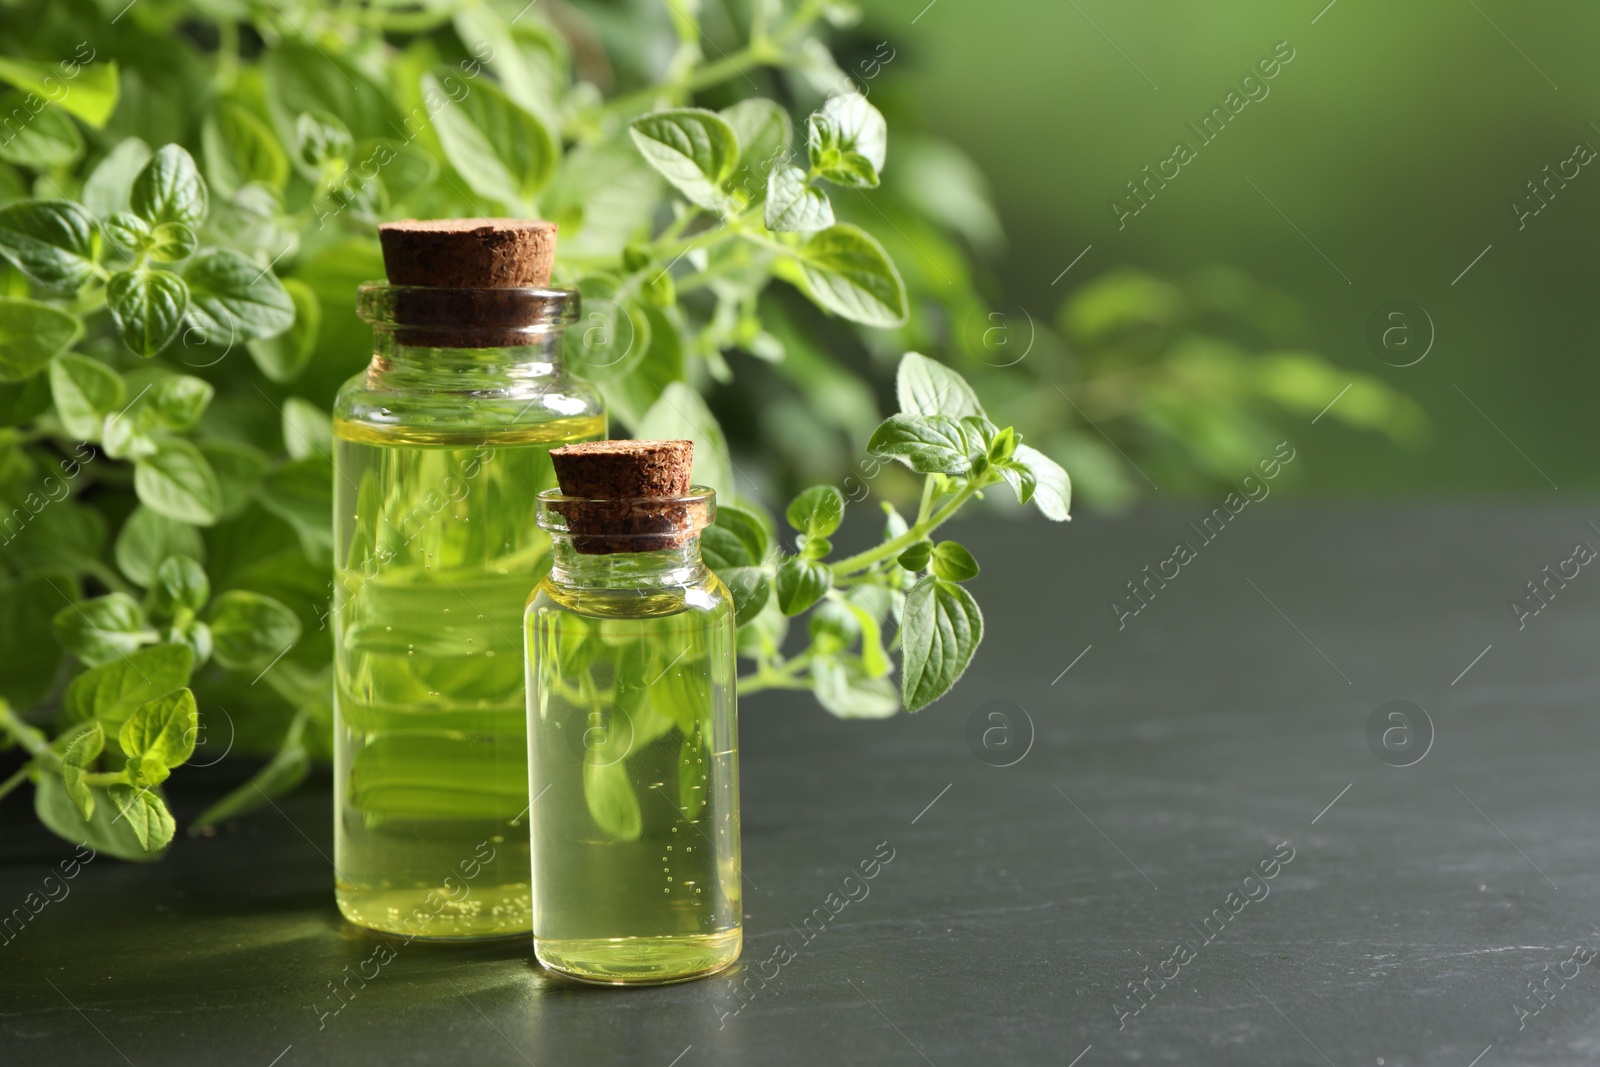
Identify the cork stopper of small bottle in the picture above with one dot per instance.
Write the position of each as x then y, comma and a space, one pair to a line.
627, 496
470, 258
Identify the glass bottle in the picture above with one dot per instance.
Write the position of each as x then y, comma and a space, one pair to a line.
439, 449
633, 746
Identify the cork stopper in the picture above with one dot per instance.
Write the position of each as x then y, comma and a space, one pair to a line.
461, 258
469, 253
627, 496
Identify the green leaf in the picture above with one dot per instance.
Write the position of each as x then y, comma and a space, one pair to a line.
127, 232
749, 525
1053, 489
99, 630
239, 149
301, 493
78, 758
148, 539
608, 794
86, 391
162, 730
817, 512
111, 692
172, 241
177, 401
284, 356
953, 562
146, 815
1019, 477
681, 413
750, 588
31, 334
91, 91
928, 444
177, 481
848, 141
833, 627
108, 187
249, 630
925, 387
846, 271
721, 549
29, 655
26, 402
280, 776
238, 468
169, 189
939, 632
846, 690
874, 661
107, 832
148, 306
42, 137
303, 77
695, 150
917, 557
63, 537
307, 429
180, 584
764, 133
233, 298
801, 583
793, 204
320, 138
1002, 443
500, 149
51, 241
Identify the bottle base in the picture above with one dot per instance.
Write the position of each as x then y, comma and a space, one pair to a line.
640, 960
429, 914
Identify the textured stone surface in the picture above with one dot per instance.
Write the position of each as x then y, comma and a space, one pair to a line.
1185, 746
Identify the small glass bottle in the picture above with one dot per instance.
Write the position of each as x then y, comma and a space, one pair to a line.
439, 447
632, 732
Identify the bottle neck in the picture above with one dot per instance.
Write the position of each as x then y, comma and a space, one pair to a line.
669, 568
400, 366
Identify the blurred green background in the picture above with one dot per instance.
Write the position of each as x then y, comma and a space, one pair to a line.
1396, 140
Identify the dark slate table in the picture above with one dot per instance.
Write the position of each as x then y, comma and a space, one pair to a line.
1444, 912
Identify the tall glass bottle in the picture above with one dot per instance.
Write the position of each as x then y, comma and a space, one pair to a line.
439, 449
632, 728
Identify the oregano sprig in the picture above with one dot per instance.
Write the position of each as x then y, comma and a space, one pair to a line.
909, 578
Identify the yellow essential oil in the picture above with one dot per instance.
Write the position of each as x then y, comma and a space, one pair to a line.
438, 455
634, 763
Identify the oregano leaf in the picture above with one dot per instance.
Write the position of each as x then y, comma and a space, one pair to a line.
940, 630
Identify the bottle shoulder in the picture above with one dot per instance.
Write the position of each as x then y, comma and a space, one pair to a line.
567, 408
706, 596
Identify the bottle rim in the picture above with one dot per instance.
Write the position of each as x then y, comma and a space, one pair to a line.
629, 520
516, 310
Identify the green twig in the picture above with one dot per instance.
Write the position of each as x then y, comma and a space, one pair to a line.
779, 677
16, 779
862, 560
29, 736
762, 51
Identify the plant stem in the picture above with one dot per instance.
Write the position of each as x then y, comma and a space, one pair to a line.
862, 560
109, 578
769, 677
926, 503
28, 736
16, 779
762, 51
755, 683
734, 227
